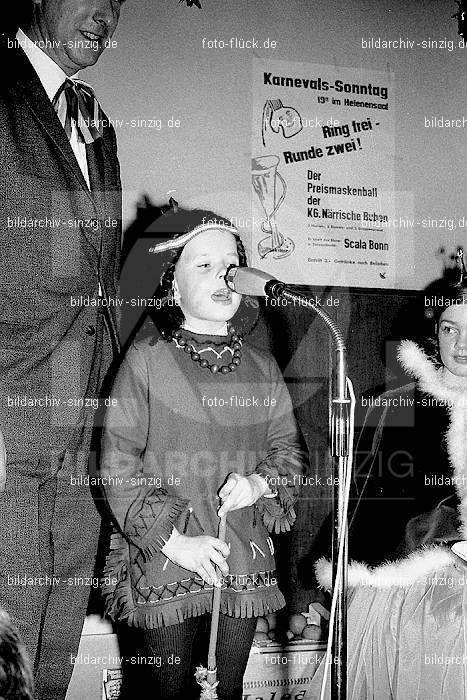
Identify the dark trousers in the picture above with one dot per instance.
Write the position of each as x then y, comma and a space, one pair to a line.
49, 528
188, 643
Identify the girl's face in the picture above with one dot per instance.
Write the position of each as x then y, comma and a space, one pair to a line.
199, 285
452, 339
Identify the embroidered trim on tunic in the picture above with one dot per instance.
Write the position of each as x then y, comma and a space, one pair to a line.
196, 584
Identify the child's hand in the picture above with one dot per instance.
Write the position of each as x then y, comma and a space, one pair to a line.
241, 491
198, 554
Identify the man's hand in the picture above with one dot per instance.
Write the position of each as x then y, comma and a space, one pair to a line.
241, 491
198, 554
2, 464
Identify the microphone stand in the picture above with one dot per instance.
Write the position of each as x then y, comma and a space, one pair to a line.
340, 417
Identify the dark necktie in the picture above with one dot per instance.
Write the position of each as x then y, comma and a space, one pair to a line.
75, 100
76, 103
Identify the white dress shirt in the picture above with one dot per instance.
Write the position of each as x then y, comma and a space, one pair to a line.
52, 77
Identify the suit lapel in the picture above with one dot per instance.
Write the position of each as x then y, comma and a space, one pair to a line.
102, 179
108, 157
96, 169
26, 80
102, 164
105, 184
32, 91
46, 116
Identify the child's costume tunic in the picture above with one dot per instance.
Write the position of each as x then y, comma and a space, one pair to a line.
173, 433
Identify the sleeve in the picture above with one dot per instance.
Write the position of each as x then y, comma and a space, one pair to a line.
2, 463
118, 249
368, 445
382, 490
118, 246
442, 524
285, 459
145, 514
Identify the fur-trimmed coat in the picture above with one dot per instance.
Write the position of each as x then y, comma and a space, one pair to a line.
410, 480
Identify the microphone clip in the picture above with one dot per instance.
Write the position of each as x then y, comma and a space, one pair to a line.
274, 289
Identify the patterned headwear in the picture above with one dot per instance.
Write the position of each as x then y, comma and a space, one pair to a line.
184, 238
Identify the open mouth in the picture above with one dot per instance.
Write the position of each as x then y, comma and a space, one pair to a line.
222, 296
92, 36
461, 359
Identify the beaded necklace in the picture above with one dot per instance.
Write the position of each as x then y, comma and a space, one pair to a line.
234, 347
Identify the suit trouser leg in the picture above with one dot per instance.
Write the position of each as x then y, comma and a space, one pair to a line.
74, 533
24, 551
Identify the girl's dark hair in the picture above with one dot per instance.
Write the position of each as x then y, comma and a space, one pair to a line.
167, 316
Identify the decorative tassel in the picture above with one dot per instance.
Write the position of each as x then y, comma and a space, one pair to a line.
278, 513
208, 690
151, 518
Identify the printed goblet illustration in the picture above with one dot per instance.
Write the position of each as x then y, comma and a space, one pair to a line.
264, 177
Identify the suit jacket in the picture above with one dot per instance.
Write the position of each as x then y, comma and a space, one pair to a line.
58, 239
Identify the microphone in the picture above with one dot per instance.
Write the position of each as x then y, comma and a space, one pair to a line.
253, 282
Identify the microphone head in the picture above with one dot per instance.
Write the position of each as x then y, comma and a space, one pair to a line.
247, 280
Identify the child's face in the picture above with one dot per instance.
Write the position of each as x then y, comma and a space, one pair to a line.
204, 297
452, 338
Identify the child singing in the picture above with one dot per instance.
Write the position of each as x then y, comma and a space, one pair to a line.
200, 424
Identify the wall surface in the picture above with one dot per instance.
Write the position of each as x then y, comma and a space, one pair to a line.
159, 70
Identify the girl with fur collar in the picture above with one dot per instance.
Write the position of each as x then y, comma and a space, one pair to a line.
410, 477
407, 636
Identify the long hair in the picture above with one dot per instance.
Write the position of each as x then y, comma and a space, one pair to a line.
166, 315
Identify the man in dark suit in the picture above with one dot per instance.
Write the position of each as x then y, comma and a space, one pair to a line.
60, 229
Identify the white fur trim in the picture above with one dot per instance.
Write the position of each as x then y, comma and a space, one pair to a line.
430, 379
403, 573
